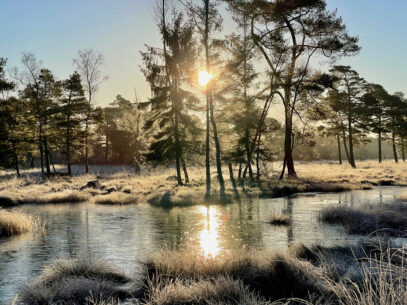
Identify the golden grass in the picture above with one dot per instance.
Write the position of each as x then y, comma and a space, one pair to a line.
221, 290
372, 273
16, 222
366, 172
66, 196
75, 282
386, 219
115, 198
280, 219
154, 186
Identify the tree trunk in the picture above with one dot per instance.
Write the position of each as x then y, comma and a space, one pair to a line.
46, 156
396, 158
351, 154
218, 151
107, 149
207, 140
184, 168
68, 152
41, 148
52, 162
403, 153
239, 175
232, 179
31, 161
380, 147
16, 159
258, 158
345, 145
178, 151
288, 145
86, 146
339, 149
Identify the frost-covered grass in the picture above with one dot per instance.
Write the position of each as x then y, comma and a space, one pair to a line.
158, 186
386, 219
370, 273
280, 219
16, 222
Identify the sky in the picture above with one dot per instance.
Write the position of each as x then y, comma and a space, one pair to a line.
54, 30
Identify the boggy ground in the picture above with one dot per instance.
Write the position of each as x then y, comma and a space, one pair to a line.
388, 219
372, 272
118, 185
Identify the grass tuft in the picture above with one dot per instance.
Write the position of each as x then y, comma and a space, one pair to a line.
75, 282
280, 219
17, 222
115, 198
388, 219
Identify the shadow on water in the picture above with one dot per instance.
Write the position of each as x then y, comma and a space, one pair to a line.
125, 236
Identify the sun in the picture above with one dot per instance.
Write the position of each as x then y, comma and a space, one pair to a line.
204, 78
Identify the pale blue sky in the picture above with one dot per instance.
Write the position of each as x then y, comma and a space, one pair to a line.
55, 29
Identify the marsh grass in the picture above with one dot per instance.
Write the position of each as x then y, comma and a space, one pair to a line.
16, 222
271, 276
280, 219
76, 282
303, 275
154, 186
115, 198
386, 219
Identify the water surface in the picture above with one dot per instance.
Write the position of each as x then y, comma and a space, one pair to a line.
125, 236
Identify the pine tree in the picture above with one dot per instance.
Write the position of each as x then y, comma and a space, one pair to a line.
71, 109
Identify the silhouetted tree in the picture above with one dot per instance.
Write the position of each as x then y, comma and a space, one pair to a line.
89, 65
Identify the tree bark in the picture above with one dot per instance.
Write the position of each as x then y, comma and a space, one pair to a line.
345, 145
288, 145
403, 152
380, 147
68, 151
178, 151
107, 149
184, 167
339, 149
218, 151
46, 157
232, 179
16, 159
258, 158
396, 158
351, 154
86, 145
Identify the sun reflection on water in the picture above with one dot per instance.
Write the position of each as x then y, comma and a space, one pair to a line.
209, 234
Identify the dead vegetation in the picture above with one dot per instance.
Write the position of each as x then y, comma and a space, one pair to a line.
370, 273
156, 187
16, 222
386, 219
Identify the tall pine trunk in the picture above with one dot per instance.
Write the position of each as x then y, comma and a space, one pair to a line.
68, 150
107, 149
345, 145
288, 143
217, 152
87, 145
184, 168
403, 152
351, 153
178, 151
15, 158
47, 165
393, 138
380, 147
339, 149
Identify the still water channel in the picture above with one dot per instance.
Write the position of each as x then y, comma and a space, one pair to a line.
125, 236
